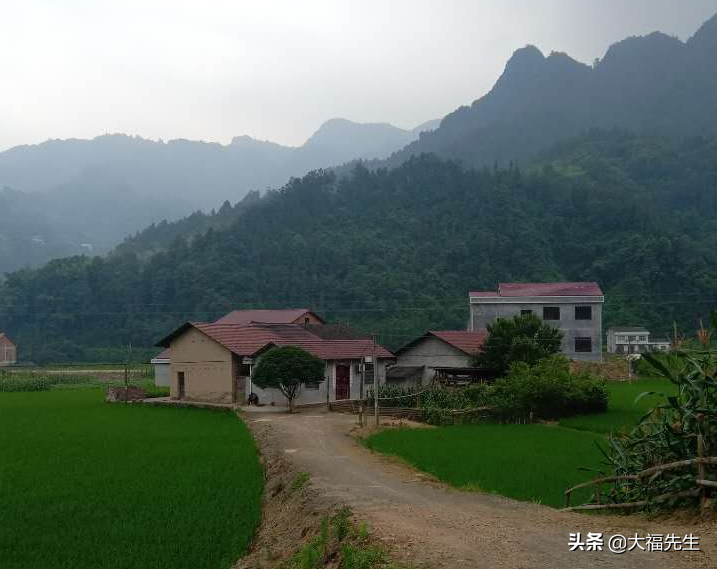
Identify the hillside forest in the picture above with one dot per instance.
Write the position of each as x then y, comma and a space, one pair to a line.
397, 251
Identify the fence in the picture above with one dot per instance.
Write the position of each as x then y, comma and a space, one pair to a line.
702, 485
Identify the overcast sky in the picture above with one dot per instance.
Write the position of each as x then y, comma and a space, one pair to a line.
277, 69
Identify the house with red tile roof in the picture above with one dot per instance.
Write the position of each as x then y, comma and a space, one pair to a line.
573, 307
282, 316
214, 362
443, 355
8, 350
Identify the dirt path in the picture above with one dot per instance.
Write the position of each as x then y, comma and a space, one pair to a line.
427, 522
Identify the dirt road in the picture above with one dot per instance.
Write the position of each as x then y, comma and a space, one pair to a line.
426, 522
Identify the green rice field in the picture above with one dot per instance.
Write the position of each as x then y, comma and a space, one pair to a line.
623, 412
86, 484
534, 463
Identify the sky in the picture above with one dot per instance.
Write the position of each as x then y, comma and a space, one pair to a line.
276, 70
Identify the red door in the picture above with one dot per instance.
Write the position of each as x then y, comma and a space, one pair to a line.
343, 382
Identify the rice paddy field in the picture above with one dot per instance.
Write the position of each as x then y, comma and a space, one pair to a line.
86, 484
534, 463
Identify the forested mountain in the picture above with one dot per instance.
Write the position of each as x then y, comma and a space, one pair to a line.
62, 194
73, 219
655, 84
398, 250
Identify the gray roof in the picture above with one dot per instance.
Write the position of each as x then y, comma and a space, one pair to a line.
628, 329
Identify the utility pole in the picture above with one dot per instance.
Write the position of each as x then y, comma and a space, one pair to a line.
375, 378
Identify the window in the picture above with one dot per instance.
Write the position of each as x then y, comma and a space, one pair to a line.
313, 384
583, 313
525, 312
244, 370
583, 345
551, 313
307, 321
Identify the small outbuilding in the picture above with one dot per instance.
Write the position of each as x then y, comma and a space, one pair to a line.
446, 356
161, 368
8, 350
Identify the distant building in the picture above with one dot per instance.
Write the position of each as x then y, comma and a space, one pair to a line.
574, 308
283, 316
8, 351
437, 355
634, 340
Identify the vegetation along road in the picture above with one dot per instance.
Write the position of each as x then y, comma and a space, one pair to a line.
428, 522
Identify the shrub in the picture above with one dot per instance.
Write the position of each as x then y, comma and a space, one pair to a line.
548, 390
523, 338
672, 430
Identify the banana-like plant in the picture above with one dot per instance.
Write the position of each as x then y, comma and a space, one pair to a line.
672, 430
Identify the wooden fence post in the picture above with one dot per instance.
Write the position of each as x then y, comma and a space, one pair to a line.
701, 473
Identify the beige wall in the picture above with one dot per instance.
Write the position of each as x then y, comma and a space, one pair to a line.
207, 367
7, 352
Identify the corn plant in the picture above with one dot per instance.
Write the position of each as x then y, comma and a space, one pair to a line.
670, 431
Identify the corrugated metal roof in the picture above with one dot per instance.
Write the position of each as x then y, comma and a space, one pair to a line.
550, 289
541, 289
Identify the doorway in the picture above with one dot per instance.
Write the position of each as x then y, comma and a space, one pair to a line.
343, 382
180, 384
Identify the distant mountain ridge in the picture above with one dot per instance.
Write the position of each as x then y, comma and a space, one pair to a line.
84, 196
179, 168
654, 83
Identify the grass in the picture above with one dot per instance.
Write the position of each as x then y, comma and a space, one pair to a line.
339, 539
534, 463
85, 484
527, 462
623, 413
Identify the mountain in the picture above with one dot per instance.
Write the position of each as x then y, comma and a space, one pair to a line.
396, 251
655, 84
62, 194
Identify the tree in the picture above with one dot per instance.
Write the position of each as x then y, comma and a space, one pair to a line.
523, 338
286, 368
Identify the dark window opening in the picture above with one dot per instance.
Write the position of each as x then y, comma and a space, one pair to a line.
583, 345
551, 313
307, 321
583, 313
244, 370
313, 384
525, 312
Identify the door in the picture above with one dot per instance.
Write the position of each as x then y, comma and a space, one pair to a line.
343, 382
180, 384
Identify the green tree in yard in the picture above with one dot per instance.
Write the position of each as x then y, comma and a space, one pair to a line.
523, 338
286, 368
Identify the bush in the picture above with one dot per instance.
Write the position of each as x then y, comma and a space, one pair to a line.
548, 390
16, 382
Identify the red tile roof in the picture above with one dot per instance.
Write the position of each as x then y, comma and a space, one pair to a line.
251, 339
483, 293
283, 316
543, 289
162, 355
468, 342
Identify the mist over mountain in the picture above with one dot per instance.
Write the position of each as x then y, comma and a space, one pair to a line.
655, 83
64, 197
